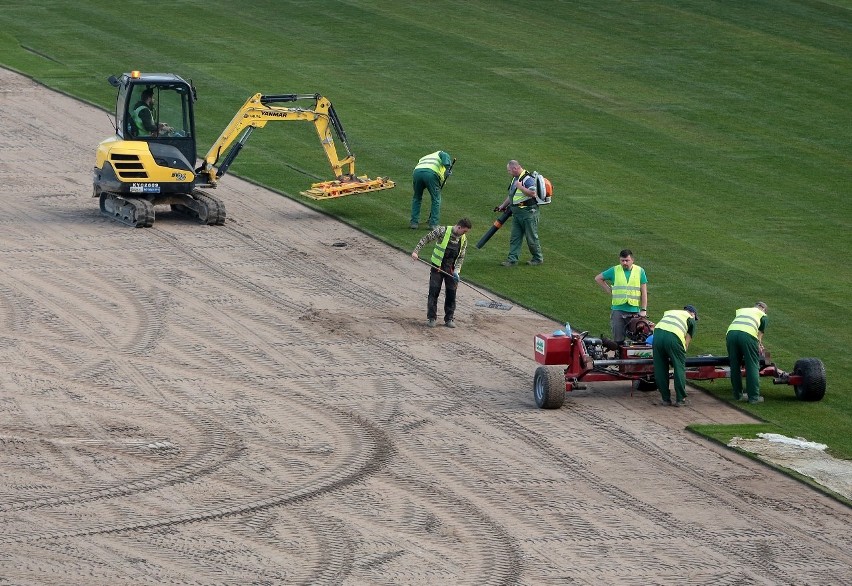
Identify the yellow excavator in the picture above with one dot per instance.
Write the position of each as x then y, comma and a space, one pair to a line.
152, 161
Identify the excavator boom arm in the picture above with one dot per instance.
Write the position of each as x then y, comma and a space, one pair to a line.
260, 109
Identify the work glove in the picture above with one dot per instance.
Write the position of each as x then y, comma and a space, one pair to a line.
456, 277
499, 209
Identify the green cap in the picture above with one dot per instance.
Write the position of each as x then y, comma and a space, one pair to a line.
445, 158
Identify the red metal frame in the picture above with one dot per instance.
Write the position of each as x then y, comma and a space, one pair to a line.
634, 363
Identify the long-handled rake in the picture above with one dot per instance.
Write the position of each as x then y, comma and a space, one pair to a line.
490, 304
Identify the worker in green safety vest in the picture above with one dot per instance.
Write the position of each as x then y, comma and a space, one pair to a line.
430, 174
627, 284
744, 341
447, 259
521, 201
672, 336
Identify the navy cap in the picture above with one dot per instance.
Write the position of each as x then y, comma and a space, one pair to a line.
693, 310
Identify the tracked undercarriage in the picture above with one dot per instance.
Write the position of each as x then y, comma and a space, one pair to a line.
139, 211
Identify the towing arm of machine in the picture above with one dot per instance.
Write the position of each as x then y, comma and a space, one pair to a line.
260, 109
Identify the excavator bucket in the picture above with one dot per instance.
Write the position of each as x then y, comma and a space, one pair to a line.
333, 189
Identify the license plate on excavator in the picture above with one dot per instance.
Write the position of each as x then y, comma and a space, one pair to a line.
332, 189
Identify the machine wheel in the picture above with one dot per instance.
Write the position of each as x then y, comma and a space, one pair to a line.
549, 387
644, 386
812, 370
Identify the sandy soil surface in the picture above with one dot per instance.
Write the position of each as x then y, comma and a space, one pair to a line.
258, 404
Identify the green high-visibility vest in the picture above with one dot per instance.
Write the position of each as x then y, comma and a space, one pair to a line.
137, 120
441, 247
624, 291
433, 163
519, 196
747, 320
674, 321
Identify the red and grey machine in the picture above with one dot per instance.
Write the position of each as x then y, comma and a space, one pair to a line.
570, 361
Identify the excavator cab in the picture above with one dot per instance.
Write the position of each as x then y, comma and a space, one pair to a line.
151, 159
157, 108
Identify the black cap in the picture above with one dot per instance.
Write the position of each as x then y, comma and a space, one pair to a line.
693, 310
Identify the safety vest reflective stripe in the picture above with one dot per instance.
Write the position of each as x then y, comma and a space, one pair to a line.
624, 291
519, 196
441, 247
747, 320
675, 321
433, 163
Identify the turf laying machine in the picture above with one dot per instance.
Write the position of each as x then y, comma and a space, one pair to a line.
151, 160
582, 359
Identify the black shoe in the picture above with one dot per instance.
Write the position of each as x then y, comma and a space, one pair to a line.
509, 263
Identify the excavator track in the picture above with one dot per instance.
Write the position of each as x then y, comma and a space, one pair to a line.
131, 211
206, 208
215, 215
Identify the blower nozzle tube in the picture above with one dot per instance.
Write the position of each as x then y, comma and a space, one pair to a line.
498, 223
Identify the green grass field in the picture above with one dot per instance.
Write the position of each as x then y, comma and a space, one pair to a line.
713, 138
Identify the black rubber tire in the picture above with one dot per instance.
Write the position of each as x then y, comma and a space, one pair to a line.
812, 370
549, 387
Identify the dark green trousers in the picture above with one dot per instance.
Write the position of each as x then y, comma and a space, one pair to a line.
743, 349
669, 351
524, 227
426, 180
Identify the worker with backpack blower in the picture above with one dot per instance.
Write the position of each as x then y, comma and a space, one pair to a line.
523, 204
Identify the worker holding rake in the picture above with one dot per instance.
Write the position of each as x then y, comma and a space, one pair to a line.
447, 259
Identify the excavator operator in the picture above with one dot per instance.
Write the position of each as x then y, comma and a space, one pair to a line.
143, 116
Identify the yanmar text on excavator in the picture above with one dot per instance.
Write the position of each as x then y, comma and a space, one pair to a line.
152, 161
